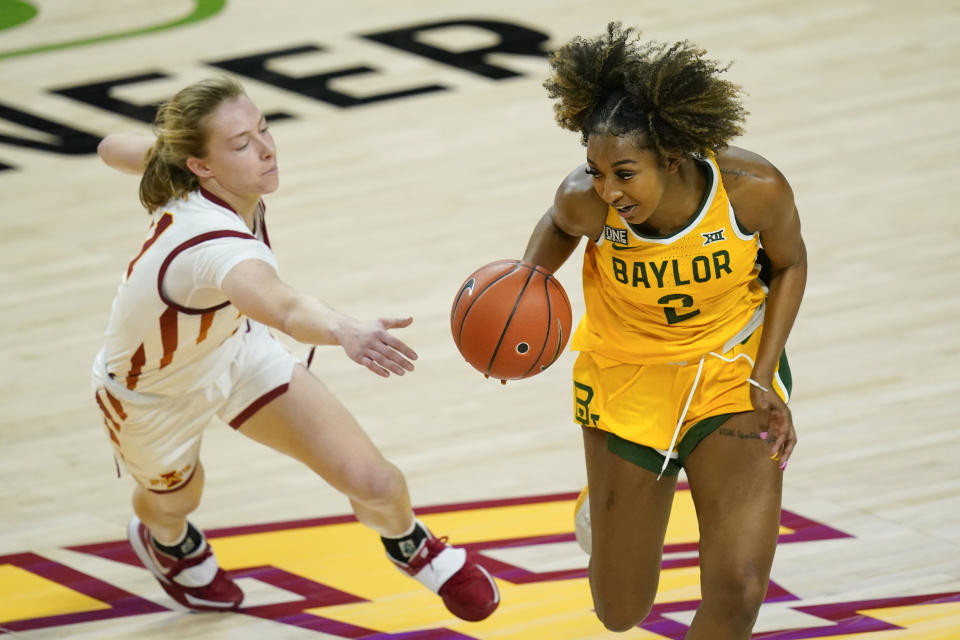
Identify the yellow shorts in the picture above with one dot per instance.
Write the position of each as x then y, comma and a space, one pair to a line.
643, 404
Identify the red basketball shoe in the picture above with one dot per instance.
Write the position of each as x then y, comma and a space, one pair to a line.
196, 581
467, 589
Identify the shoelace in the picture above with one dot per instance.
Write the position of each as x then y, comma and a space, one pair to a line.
436, 546
433, 547
181, 564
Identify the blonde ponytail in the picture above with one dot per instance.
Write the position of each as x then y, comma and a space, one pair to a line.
181, 134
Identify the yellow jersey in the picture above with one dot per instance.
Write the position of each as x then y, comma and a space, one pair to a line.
675, 298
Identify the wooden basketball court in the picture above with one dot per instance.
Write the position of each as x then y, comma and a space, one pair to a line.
415, 144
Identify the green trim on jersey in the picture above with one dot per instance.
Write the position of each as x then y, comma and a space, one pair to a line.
697, 433
704, 167
783, 372
641, 455
650, 459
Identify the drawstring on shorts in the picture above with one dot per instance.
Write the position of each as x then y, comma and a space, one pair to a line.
755, 322
683, 414
696, 381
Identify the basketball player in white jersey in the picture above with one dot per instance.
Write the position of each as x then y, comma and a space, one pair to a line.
188, 341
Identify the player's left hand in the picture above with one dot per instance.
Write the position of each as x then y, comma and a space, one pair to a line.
370, 343
776, 420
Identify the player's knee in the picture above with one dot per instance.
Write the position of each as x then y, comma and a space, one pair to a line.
173, 504
377, 483
621, 609
619, 616
737, 596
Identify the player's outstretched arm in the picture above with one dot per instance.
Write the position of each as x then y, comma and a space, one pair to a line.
125, 152
256, 291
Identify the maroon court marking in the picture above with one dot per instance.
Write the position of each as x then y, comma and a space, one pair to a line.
307, 594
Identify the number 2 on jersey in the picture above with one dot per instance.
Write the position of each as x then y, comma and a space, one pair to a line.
686, 302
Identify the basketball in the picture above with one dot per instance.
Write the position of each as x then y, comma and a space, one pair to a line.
510, 320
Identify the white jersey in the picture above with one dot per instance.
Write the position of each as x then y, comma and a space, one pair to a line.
156, 345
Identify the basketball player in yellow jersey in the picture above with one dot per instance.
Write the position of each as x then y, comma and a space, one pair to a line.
681, 359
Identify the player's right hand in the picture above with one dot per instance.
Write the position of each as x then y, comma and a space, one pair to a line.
370, 343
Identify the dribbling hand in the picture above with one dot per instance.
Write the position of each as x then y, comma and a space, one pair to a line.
370, 343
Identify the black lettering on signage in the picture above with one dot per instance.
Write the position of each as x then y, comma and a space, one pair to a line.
514, 39
99, 94
315, 86
67, 140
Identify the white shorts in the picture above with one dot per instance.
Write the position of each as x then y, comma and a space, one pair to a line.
158, 437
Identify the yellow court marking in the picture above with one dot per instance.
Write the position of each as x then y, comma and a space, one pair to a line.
350, 557
558, 609
25, 595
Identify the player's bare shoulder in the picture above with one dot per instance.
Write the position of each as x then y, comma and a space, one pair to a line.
578, 210
756, 188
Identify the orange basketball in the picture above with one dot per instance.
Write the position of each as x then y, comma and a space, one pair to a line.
510, 320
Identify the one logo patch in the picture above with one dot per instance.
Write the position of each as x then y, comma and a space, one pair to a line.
712, 236
407, 548
615, 235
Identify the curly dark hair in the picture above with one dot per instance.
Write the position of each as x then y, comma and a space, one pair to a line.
670, 97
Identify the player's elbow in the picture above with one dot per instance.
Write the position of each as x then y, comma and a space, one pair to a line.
105, 149
798, 258
280, 312
791, 267
126, 153
288, 320
111, 153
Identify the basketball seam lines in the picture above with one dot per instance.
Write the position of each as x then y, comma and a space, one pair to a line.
563, 294
506, 326
546, 338
466, 313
